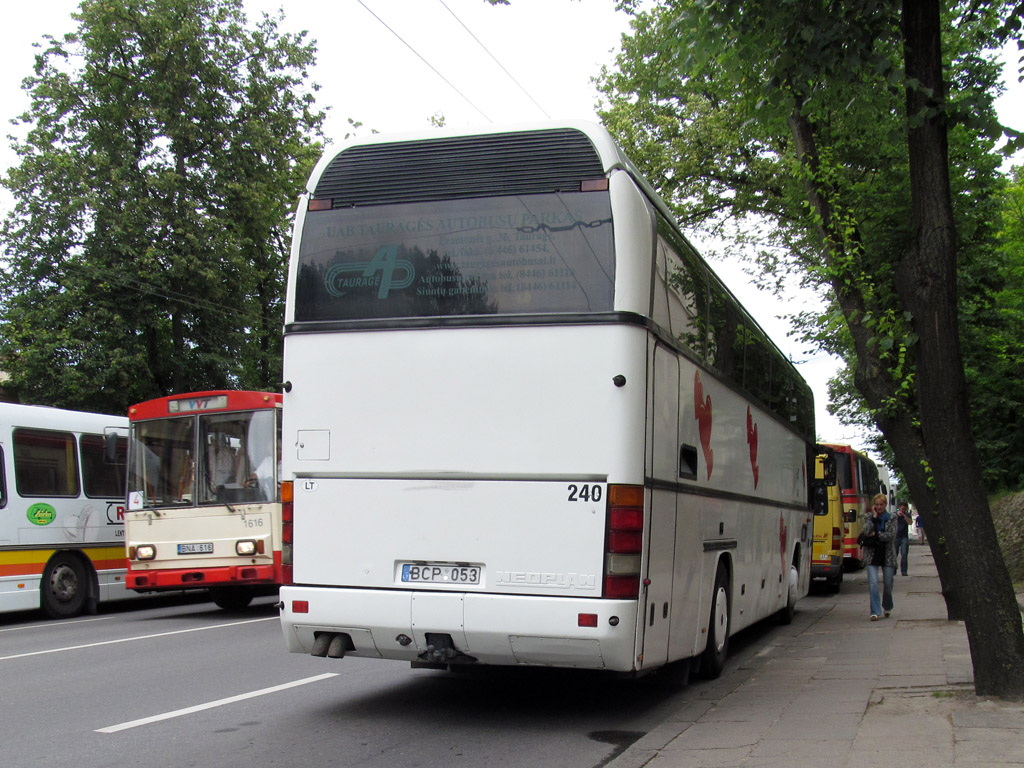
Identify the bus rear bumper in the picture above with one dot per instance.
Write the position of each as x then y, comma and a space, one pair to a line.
484, 628
827, 570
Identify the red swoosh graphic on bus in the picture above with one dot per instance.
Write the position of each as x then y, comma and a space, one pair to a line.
702, 412
752, 442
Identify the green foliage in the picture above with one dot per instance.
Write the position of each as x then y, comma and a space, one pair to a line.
780, 127
166, 143
993, 333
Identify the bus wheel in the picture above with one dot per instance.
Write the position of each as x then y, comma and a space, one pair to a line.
712, 662
231, 598
786, 614
65, 586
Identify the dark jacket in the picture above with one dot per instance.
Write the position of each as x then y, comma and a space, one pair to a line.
902, 526
886, 537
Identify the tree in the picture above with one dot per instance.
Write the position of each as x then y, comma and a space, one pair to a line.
724, 153
167, 141
813, 92
994, 346
991, 300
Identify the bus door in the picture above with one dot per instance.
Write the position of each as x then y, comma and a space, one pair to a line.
663, 419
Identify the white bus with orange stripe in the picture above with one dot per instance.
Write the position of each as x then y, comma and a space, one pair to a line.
62, 497
525, 423
204, 505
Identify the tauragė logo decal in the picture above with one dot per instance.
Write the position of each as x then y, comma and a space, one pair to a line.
41, 513
342, 278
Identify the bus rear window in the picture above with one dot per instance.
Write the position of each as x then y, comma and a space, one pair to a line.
524, 254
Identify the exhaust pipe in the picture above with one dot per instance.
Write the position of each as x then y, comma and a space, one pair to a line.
332, 645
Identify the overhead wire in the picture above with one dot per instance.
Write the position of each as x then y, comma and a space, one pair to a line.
421, 58
495, 59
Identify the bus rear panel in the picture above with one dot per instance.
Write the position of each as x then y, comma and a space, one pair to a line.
513, 435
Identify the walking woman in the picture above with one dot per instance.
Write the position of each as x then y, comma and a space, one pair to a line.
880, 555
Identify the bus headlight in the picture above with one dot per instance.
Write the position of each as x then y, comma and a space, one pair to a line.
245, 547
145, 552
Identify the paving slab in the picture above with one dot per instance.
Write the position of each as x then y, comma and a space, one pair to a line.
836, 689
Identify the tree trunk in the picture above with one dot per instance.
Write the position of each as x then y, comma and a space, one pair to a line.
872, 379
926, 281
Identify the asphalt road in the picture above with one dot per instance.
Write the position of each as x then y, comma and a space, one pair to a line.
182, 683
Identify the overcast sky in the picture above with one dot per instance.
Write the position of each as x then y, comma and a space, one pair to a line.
392, 64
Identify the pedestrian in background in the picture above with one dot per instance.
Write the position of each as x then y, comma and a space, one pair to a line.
879, 534
902, 541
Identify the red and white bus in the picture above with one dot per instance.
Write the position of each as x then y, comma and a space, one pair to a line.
204, 503
530, 424
858, 484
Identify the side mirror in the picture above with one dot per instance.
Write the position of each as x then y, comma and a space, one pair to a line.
828, 468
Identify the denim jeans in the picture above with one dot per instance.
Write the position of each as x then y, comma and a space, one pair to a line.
903, 549
883, 601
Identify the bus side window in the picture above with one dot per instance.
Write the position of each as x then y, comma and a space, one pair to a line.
687, 284
3, 479
101, 478
45, 463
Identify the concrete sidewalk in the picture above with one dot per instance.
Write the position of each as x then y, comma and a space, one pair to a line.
835, 689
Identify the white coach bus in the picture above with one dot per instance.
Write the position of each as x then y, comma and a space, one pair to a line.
525, 423
62, 498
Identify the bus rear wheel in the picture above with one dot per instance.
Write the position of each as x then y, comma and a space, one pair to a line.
712, 661
786, 613
65, 586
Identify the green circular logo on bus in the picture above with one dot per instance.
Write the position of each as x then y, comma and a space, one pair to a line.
41, 514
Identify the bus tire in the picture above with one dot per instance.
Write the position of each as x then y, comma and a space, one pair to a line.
231, 598
65, 587
786, 614
712, 661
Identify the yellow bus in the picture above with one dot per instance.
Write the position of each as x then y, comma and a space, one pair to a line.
858, 484
827, 550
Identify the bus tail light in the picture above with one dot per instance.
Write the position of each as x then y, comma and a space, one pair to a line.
287, 517
837, 538
623, 541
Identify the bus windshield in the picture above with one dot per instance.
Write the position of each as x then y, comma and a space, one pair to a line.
208, 459
522, 254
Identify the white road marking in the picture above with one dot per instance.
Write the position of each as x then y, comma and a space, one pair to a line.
212, 704
54, 624
133, 639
